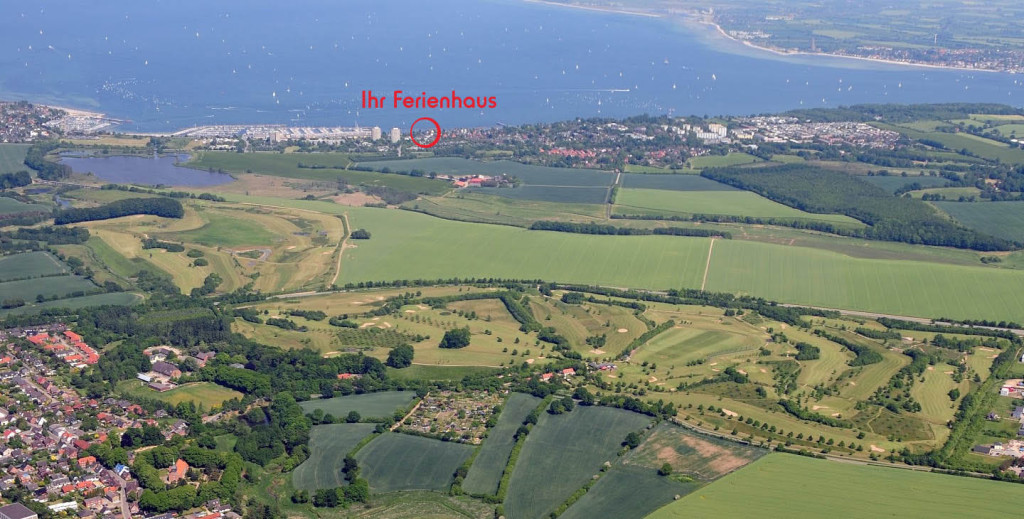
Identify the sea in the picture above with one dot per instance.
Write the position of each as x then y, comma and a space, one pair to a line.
164, 65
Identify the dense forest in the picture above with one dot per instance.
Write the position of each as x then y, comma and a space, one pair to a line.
818, 190
165, 207
19, 179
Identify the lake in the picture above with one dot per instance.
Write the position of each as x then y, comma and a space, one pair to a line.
166, 65
150, 171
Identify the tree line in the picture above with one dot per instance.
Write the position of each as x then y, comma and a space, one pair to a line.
164, 207
596, 228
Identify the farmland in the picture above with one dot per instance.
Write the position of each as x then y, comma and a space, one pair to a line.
12, 206
628, 492
12, 158
111, 298
49, 287
766, 486
733, 203
401, 462
823, 278
30, 265
329, 167
328, 446
562, 453
370, 405
1001, 219
484, 475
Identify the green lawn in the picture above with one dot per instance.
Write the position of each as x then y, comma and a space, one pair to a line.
979, 146
287, 165
328, 446
207, 393
562, 453
224, 231
781, 485
29, 265
678, 346
734, 203
490, 463
393, 462
1000, 219
369, 405
823, 278
12, 158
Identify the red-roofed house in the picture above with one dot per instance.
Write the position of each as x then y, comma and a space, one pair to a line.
81, 444
348, 376
73, 336
38, 339
86, 461
568, 372
546, 377
177, 471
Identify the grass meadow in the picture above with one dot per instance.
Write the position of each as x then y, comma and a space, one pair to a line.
328, 446
369, 405
489, 464
60, 286
782, 485
562, 453
393, 462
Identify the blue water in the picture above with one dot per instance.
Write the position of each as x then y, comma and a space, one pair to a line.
150, 171
171, 64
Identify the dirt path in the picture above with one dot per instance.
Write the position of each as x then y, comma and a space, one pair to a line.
341, 246
707, 266
608, 206
407, 415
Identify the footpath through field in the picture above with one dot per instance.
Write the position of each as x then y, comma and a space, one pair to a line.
707, 266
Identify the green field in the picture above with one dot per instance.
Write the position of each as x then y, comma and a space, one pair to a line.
112, 298
30, 265
484, 475
12, 206
1015, 131
782, 485
60, 286
562, 453
447, 248
823, 278
891, 183
1000, 219
700, 457
454, 373
528, 174
734, 203
980, 146
393, 462
12, 158
369, 405
721, 161
674, 182
783, 273
682, 344
286, 165
328, 446
628, 492
208, 394
224, 231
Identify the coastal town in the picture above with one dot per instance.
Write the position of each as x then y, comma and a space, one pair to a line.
56, 452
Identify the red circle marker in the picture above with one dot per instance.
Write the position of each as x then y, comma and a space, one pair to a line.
437, 136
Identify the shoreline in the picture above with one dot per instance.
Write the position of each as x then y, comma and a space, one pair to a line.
594, 8
798, 53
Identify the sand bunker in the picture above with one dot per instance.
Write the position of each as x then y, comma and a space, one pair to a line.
622, 330
875, 448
